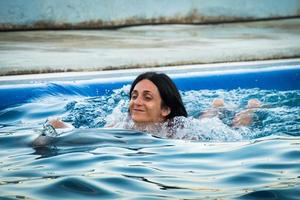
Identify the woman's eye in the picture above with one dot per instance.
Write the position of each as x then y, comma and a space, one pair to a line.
148, 98
134, 96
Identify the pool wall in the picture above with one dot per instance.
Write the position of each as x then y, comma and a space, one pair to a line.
70, 14
277, 76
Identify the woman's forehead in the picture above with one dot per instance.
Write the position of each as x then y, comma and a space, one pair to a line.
146, 85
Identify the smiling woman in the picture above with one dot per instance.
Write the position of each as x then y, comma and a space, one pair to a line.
154, 98
146, 104
154, 101
155, 107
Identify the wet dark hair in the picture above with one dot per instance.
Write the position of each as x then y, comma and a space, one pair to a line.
168, 91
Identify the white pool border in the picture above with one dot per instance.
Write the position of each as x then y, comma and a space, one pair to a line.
174, 72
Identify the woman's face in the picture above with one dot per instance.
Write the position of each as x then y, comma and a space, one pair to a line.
145, 103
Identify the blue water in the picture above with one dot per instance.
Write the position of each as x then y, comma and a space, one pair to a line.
261, 161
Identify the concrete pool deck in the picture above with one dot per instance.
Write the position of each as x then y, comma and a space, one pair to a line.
27, 52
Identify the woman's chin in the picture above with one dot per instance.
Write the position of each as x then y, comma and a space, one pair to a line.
145, 120
140, 121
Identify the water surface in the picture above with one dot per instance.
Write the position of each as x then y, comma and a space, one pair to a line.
92, 162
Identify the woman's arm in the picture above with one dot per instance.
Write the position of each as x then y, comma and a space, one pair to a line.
245, 118
51, 129
214, 110
56, 123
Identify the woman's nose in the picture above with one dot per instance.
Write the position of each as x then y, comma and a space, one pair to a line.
138, 101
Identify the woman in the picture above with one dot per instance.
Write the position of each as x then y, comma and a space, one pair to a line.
155, 106
154, 100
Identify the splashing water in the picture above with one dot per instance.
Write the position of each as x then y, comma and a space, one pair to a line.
279, 114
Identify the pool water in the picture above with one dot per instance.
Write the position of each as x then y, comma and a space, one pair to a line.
92, 162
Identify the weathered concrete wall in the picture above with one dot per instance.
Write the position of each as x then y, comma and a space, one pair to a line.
26, 52
67, 14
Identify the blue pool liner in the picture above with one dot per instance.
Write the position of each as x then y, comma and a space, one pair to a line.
281, 79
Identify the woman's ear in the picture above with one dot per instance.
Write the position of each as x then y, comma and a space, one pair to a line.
165, 111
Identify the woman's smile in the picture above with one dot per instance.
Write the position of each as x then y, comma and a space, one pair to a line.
137, 110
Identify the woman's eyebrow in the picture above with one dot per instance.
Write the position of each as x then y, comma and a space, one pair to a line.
144, 92
147, 92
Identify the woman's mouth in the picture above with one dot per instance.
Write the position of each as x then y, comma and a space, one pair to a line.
137, 110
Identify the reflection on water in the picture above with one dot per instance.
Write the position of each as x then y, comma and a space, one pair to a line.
93, 162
